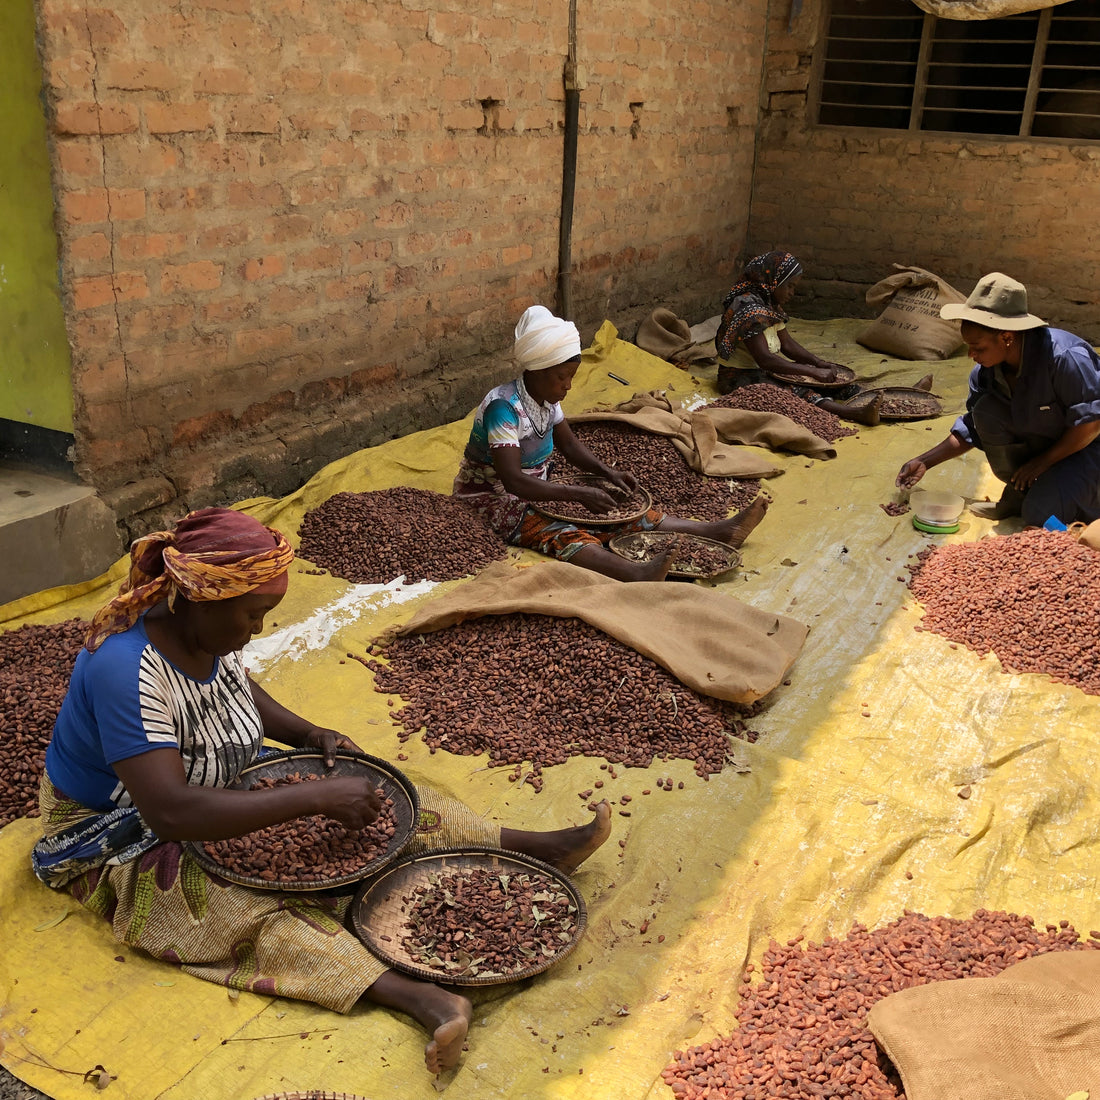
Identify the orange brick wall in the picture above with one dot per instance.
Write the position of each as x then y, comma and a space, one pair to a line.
851, 202
292, 229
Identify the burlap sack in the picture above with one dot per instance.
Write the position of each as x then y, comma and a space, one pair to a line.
704, 437
665, 335
1031, 1033
709, 641
1088, 533
910, 325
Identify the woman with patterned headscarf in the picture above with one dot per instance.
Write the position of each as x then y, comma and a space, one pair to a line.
755, 345
517, 428
160, 718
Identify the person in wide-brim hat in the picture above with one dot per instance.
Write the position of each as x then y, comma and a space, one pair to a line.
1033, 408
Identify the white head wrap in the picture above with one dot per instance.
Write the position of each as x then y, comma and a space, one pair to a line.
543, 340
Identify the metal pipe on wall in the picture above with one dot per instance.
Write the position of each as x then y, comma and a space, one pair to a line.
569, 171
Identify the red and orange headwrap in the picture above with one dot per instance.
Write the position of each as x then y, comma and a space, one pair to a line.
211, 554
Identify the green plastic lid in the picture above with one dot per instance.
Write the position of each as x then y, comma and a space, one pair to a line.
935, 528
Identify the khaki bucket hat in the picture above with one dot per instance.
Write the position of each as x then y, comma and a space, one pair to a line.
998, 302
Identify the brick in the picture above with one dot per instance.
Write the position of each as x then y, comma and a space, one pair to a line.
363, 119
92, 292
320, 45
85, 207
322, 258
287, 227
319, 118
353, 286
216, 81
93, 246
258, 340
346, 82
341, 223
248, 195
95, 118
462, 118
195, 429
363, 252
200, 275
263, 267
224, 236
158, 319
323, 189
144, 246
254, 118
138, 76
224, 310
84, 161
177, 118
302, 80
126, 204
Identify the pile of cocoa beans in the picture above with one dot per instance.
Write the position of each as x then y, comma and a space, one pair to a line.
306, 849
1030, 598
537, 689
764, 397
658, 466
374, 537
484, 923
35, 665
802, 1029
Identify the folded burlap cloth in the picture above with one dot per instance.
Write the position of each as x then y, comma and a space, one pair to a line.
1030, 1033
709, 641
702, 436
665, 335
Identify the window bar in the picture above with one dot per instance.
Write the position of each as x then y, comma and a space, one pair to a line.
1042, 36
920, 85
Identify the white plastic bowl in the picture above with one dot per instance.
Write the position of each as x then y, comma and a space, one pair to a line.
935, 507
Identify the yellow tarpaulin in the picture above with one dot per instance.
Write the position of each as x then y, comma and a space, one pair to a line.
848, 809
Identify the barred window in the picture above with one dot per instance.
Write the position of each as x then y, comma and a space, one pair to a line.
887, 64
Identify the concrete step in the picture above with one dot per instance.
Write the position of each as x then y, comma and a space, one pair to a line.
53, 531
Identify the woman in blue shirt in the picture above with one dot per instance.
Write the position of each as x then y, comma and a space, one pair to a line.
1033, 408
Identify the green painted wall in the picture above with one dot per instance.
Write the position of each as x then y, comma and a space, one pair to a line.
35, 372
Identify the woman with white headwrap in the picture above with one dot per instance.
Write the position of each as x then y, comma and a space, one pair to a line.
517, 428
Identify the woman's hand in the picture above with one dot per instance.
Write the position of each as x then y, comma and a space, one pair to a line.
595, 500
823, 372
328, 743
911, 473
349, 799
622, 480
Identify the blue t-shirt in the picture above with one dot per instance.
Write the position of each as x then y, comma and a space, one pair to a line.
502, 421
1058, 387
127, 699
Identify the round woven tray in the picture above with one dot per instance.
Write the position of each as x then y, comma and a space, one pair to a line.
643, 545
381, 906
557, 509
845, 376
899, 403
393, 783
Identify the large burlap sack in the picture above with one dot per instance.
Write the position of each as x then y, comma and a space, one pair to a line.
1030, 1033
910, 325
709, 641
665, 335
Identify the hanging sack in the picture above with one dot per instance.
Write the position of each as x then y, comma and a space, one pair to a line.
910, 325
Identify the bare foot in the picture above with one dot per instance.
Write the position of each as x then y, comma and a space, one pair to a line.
868, 414
444, 1015
565, 849
656, 568
738, 528
445, 1048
